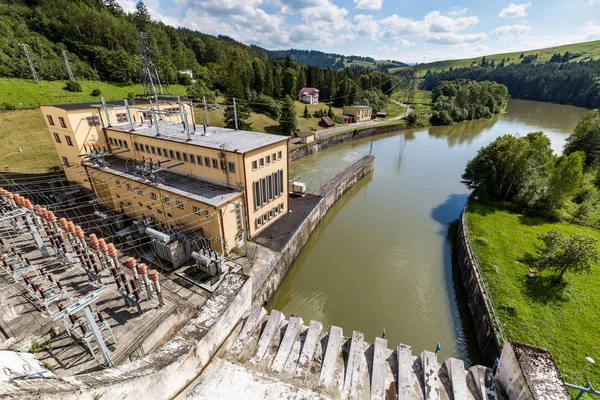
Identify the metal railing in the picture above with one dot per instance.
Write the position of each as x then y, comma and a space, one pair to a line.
489, 300
260, 278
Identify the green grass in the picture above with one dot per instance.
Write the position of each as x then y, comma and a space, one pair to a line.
587, 51
23, 93
562, 318
312, 123
421, 96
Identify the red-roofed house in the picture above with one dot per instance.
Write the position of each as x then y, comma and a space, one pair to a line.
309, 95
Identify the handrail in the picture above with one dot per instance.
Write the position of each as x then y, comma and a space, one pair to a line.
499, 328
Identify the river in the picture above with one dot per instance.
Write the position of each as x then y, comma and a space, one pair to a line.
380, 259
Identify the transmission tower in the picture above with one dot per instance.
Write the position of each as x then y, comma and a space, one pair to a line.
30, 62
66, 57
411, 86
149, 79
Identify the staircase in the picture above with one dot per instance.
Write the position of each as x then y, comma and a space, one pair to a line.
331, 365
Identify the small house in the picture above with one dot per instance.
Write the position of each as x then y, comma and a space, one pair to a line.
344, 119
326, 122
306, 137
309, 95
381, 114
359, 113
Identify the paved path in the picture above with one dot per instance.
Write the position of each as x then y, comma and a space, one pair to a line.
374, 122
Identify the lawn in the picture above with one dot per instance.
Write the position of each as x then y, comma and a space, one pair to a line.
421, 96
22, 93
312, 123
564, 318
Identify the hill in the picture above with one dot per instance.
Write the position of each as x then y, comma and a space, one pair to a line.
585, 51
336, 61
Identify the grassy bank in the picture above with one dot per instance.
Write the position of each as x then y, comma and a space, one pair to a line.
21, 93
562, 318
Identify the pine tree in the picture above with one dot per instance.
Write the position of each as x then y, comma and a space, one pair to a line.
330, 112
287, 121
142, 16
306, 114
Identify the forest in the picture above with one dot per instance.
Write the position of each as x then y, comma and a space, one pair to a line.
102, 43
524, 174
574, 83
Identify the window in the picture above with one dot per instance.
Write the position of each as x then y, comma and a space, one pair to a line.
279, 155
258, 222
273, 157
179, 204
275, 184
92, 121
153, 195
65, 161
140, 191
137, 147
276, 210
69, 141
166, 200
120, 143
165, 153
231, 166
62, 122
207, 161
257, 202
281, 207
111, 141
119, 183
254, 165
147, 148
263, 190
129, 188
280, 181
265, 218
270, 187
197, 210
153, 149
192, 159
171, 154
56, 137
185, 157
50, 120
199, 159
270, 214
261, 162
121, 117
215, 163
126, 144
268, 160
178, 154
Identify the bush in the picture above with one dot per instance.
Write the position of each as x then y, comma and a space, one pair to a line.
184, 79
131, 96
96, 92
7, 106
73, 86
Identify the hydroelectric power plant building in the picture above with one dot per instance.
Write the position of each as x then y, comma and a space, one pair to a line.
150, 161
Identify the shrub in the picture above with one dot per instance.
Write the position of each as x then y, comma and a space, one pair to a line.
73, 86
184, 79
96, 92
131, 96
8, 106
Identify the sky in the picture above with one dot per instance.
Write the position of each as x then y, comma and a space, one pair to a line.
417, 31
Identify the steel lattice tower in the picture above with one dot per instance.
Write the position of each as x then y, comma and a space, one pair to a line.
66, 57
30, 62
149, 79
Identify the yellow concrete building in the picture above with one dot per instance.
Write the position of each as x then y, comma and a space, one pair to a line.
359, 113
176, 176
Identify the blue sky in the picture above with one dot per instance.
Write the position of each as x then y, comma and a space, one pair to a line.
388, 29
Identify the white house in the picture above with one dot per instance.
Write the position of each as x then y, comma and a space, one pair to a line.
309, 95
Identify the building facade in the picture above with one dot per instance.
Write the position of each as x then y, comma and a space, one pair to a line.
152, 163
359, 113
309, 95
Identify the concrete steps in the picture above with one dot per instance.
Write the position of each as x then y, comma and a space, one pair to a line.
350, 368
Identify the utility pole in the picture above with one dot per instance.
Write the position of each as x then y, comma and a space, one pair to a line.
206, 110
411, 86
30, 62
235, 114
66, 57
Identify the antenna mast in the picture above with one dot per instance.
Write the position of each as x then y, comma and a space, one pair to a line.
66, 57
30, 62
149, 78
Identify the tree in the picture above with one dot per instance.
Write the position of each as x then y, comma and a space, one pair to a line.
330, 112
586, 138
306, 114
198, 90
113, 6
566, 254
142, 16
243, 116
287, 121
258, 76
288, 82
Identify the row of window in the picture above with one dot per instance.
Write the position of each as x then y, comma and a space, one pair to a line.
119, 143
67, 138
268, 188
61, 120
185, 157
266, 217
260, 163
91, 121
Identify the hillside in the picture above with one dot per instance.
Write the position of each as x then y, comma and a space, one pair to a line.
586, 51
336, 61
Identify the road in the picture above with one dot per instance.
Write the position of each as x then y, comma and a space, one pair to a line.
374, 122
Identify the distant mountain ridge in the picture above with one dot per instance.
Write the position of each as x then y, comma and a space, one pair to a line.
336, 61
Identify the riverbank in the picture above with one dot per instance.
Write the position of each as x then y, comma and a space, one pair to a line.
559, 317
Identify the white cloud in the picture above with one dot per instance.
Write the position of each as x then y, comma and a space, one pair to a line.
452, 38
387, 48
592, 2
321, 14
511, 31
368, 4
405, 42
591, 31
436, 22
365, 25
395, 26
515, 10
456, 12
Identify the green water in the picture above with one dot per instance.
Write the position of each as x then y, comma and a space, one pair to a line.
380, 258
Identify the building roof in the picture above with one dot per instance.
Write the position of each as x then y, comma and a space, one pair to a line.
308, 91
327, 120
235, 141
189, 186
89, 105
359, 106
306, 134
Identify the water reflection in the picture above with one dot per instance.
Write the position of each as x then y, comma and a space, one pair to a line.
464, 132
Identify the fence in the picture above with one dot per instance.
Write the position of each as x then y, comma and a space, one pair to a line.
499, 329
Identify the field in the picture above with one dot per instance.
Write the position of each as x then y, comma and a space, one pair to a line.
587, 51
21, 93
560, 317
421, 96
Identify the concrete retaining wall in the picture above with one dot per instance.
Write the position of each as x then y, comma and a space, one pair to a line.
358, 133
284, 259
487, 339
165, 372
